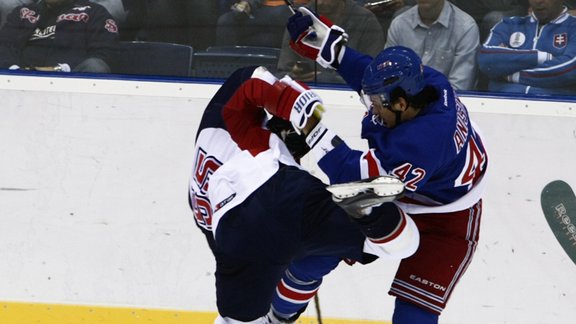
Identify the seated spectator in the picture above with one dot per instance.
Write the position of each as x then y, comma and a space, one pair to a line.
533, 54
444, 36
254, 23
59, 35
360, 24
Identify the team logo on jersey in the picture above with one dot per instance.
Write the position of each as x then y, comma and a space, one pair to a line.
560, 40
45, 33
29, 15
111, 26
517, 39
73, 17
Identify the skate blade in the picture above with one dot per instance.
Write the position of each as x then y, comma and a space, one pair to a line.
383, 186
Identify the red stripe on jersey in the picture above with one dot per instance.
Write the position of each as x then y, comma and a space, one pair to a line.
372, 164
289, 293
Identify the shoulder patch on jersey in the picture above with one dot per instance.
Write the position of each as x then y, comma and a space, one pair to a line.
517, 39
560, 40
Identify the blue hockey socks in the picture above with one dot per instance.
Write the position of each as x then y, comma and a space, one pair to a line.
408, 313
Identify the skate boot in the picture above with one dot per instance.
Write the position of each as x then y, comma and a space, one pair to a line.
357, 198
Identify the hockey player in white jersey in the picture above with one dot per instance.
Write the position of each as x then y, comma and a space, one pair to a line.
271, 225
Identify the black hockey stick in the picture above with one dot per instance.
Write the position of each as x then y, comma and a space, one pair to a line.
559, 207
318, 312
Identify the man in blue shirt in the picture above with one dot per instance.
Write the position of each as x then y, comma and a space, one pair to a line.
535, 54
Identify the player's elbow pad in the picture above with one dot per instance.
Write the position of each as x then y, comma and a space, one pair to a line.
404, 243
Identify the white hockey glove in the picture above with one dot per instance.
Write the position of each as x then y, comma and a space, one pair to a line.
306, 105
316, 38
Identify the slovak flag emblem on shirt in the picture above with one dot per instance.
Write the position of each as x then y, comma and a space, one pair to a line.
560, 40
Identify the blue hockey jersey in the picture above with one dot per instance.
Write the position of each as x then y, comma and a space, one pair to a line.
522, 56
439, 154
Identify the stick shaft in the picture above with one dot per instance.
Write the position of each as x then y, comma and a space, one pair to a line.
290, 5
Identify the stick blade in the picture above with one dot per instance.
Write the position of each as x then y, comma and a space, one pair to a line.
559, 207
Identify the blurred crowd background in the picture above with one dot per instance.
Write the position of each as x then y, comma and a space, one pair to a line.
208, 39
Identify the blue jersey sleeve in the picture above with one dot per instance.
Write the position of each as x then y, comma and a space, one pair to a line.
560, 71
497, 58
342, 164
352, 68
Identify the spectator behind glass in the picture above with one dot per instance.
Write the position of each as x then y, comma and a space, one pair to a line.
360, 24
444, 36
58, 35
254, 23
534, 54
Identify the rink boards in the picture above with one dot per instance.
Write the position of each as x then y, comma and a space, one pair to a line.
95, 227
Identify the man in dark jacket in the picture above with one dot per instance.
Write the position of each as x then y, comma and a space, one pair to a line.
59, 35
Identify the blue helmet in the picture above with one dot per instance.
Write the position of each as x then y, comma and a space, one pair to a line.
394, 67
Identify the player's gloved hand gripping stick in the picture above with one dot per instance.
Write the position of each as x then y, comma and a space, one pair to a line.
316, 37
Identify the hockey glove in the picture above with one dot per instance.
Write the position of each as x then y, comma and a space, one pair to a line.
316, 38
307, 104
296, 143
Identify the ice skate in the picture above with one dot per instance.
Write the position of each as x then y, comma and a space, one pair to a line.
356, 198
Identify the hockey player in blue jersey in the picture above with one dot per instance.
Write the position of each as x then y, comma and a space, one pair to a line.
274, 229
535, 54
419, 131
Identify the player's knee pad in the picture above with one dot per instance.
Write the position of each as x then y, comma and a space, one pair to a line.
408, 313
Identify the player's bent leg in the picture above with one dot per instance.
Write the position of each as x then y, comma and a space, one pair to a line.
390, 233
299, 285
408, 313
